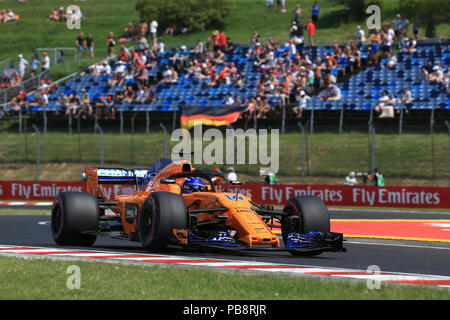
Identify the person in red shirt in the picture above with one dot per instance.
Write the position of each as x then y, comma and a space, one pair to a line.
222, 41
216, 40
311, 31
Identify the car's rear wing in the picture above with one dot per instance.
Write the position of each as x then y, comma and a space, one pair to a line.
95, 177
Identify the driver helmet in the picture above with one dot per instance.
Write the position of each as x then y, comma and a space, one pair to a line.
193, 184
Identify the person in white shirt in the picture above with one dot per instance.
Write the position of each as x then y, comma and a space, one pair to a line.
302, 99
360, 36
23, 63
384, 99
153, 28
229, 101
45, 62
350, 180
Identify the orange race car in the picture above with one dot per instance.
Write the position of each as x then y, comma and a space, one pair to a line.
177, 206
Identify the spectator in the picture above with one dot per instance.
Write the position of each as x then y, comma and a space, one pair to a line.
282, 4
100, 107
54, 15
110, 110
378, 179
74, 103
405, 98
398, 24
382, 102
387, 36
62, 14
90, 46
170, 29
269, 4
215, 39
110, 44
391, 60
222, 41
80, 42
229, 100
375, 39
350, 180
65, 102
311, 31
409, 46
45, 62
423, 76
360, 36
302, 100
436, 76
262, 108
315, 13
85, 105
297, 14
154, 28
23, 63
255, 37
34, 66
129, 31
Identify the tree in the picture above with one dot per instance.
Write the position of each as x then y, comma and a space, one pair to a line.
196, 15
357, 8
431, 12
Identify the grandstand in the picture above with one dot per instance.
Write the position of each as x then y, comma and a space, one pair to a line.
360, 88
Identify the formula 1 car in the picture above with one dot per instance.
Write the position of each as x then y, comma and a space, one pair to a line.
177, 206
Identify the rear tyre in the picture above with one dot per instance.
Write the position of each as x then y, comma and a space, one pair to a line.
160, 214
305, 214
73, 215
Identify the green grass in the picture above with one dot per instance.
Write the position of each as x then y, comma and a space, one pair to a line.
45, 279
328, 154
12, 211
33, 30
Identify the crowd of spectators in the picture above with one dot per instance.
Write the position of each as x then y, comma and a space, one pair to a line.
287, 71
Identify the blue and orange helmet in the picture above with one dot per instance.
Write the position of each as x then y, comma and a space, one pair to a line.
193, 184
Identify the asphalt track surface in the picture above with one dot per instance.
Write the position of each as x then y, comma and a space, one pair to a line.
391, 256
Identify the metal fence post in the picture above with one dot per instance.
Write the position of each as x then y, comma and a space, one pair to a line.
38, 152
400, 125
341, 118
165, 138
132, 137
283, 119
147, 121
121, 122
174, 120
20, 119
448, 127
45, 119
311, 129
102, 145
373, 149
303, 150
70, 122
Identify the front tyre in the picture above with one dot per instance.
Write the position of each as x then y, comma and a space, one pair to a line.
304, 214
74, 214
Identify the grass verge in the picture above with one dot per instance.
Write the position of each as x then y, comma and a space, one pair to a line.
46, 279
410, 155
12, 211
